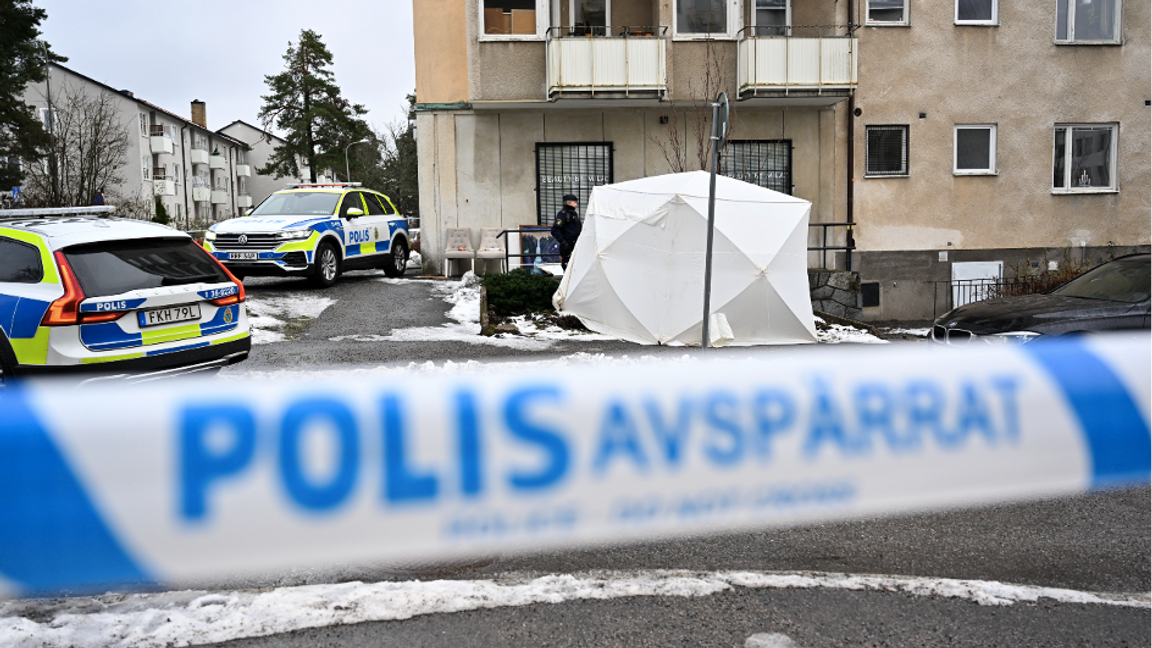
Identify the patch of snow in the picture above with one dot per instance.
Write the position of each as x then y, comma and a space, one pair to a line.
415, 261
268, 315
770, 640
203, 617
918, 332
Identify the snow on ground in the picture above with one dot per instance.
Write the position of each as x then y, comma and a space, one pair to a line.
838, 333
172, 619
915, 332
273, 317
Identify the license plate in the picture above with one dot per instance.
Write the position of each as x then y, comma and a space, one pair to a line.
243, 256
159, 316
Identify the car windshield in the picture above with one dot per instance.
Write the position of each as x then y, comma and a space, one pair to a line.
1123, 281
115, 267
298, 203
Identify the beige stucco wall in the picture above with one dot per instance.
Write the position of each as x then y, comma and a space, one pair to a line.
1015, 77
440, 48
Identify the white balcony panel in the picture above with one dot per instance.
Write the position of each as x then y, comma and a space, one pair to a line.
243, 202
783, 63
219, 197
201, 194
217, 162
606, 65
199, 156
164, 187
243, 171
162, 144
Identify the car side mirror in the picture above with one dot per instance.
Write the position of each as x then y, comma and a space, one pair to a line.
353, 212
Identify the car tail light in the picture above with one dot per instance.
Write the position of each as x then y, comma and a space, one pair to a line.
240, 295
65, 311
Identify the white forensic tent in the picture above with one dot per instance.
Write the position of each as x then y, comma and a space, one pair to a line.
637, 272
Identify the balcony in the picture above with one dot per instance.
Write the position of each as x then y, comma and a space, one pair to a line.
606, 62
243, 171
160, 140
163, 185
198, 155
219, 196
217, 161
201, 189
243, 201
815, 65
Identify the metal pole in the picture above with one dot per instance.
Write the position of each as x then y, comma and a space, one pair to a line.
711, 221
347, 173
51, 124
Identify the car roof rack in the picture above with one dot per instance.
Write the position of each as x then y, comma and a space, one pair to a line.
100, 211
305, 185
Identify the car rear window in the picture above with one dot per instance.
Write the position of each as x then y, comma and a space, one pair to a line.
114, 267
19, 262
298, 203
1122, 281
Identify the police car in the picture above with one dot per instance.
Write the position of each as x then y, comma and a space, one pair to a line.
314, 230
80, 289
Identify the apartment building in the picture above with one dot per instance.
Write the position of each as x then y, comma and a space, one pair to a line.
254, 188
522, 101
201, 176
988, 133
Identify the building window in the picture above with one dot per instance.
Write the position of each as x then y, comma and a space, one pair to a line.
48, 119
176, 172
976, 12
146, 166
887, 12
886, 151
511, 17
702, 18
1084, 157
143, 125
767, 163
771, 18
975, 149
1088, 21
569, 169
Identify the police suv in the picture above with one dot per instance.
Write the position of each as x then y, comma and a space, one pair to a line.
314, 230
80, 289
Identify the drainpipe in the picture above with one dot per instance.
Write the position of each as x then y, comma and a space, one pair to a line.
850, 238
232, 177
184, 167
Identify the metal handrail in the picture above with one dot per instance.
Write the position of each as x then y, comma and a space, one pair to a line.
752, 31
155, 130
824, 248
625, 31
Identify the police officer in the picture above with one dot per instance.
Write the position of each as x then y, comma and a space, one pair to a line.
567, 228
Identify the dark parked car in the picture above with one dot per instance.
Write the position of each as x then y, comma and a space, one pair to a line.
1109, 297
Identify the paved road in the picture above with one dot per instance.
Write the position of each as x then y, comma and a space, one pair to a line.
1097, 543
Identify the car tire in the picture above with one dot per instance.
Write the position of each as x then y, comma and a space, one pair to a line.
326, 265
7, 360
396, 261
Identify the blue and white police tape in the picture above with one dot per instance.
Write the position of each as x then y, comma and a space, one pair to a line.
191, 481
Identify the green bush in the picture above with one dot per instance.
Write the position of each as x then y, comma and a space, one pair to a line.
519, 292
161, 213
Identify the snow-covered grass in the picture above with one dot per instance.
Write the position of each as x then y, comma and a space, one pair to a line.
273, 318
173, 619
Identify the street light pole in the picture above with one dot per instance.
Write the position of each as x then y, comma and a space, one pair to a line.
347, 173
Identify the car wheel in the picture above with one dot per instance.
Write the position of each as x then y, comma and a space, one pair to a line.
326, 266
7, 361
396, 262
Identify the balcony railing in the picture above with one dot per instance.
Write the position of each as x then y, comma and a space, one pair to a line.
797, 61
607, 61
217, 161
243, 170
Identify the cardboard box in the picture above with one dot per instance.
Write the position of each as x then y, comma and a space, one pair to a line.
497, 22
523, 21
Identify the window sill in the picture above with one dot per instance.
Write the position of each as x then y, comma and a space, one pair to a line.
888, 24
703, 37
965, 174
883, 177
510, 38
1087, 43
1081, 192
976, 24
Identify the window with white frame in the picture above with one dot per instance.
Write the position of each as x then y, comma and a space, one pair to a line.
143, 125
48, 119
771, 17
703, 18
976, 12
886, 151
1088, 21
975, 149
887, 12
146, 166
512, 19
176, 172
1084, 157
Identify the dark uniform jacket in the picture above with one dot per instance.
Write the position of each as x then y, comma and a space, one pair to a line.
567, 228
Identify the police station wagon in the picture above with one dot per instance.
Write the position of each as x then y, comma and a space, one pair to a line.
316, 231
83, 290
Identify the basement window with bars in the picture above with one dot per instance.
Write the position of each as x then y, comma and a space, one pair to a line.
886, 151
766, 163
569, 169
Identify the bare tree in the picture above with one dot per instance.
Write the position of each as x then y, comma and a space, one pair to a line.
90, 146
683, 130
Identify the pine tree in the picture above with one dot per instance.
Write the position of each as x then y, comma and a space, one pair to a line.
305, 104
23, 60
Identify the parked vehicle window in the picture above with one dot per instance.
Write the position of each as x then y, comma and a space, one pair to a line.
19, 262
1088, 21
298, 203
114, 267
351, 199
1120, 280
1084, 157
975, 149
373, 202
886, 151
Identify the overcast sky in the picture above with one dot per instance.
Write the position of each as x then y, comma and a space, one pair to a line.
219, 51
